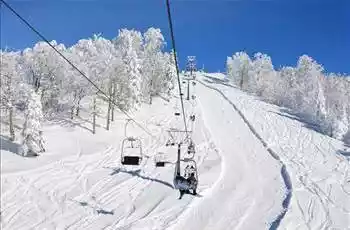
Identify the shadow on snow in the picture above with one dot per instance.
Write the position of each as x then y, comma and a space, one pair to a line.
137, 174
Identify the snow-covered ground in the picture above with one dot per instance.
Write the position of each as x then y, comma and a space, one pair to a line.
318, 165
79, 182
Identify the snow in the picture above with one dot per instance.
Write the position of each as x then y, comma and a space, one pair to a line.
79, 183
318, 165
247, 151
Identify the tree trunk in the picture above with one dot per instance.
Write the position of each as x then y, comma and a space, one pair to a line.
113, 96
108, 115
150, 92
80, 97
112, 115
241, 82
110, 94
94, 117
72, 112
78, 108
73, 106
12, 130
42, 96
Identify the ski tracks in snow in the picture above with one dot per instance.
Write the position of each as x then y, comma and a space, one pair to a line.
319, 175
244, 195
92, 192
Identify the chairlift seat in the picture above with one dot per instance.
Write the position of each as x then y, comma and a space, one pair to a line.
159, 159
131, 153
131, 160
160, 164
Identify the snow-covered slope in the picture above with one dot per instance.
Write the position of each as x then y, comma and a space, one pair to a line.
79, 183
242, 145
318, 165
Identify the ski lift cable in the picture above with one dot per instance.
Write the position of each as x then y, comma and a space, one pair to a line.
76, 68
176, 63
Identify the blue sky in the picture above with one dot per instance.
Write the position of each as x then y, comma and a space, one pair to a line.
209, 29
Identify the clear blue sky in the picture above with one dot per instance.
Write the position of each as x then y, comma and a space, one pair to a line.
209, 29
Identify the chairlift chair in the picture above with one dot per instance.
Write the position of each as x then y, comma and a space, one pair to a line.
131, 151
188, 149
191, 148
170, 142
159, 160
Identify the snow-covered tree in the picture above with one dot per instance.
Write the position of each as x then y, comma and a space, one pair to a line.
128, 44
262, 78
337, 105
153, 68
45, 72
229, 67
284, 87
32, 142
241, 66
170, 73
10, 84
322, 99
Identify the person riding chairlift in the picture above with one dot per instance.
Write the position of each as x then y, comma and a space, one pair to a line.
185, 184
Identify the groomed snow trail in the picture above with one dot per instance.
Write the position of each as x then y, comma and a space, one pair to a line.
320, 176
249, 192
284, 173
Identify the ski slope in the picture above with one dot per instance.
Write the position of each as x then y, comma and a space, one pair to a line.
258, 169
318, 165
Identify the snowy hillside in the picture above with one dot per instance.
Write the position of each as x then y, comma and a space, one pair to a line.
317, 165
259, 167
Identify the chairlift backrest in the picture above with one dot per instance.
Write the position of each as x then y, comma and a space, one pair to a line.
131, 143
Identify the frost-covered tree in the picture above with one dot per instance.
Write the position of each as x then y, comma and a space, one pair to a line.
262, 78
45, 72
310, 88
168, 83
284, 87
32, 142
153, 62
128, 43
240, 69
128, 69
229, 67
337, 105
10, 84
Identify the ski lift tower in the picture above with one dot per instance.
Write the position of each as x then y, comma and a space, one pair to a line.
191, 64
